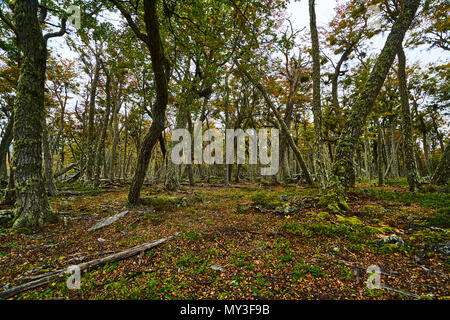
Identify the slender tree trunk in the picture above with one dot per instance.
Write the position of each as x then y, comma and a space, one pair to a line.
190, 166
442, 173
319, 149
101, 146
380, 155
335, 197
161, 70
88, 174
4, 147
114, 129
408, 144
48, 162
172, 179
10, 192
282, 124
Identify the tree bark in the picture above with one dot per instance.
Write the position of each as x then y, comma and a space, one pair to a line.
319, 149
380, 154
410, 163
88, 174
4, 147
33, 208
335, 196
101, 146
48, 162
442, 173
161, 70
282, 124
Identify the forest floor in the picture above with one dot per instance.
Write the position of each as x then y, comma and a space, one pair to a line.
247, 241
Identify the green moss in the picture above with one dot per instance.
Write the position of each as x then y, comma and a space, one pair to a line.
351, 221
161, 203
333, 198
22, 230
324, 215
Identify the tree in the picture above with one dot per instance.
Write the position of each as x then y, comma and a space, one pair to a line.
161, 70
334, 196
33, 208
442, 173
320, 157
412, 175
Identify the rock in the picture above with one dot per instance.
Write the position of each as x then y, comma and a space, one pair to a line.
285, 210
392, 239
101, 240
217, 268
6, 216
260, 208
284, 198
443, 248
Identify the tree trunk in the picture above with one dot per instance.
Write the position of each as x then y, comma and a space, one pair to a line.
442, 173
48, 162
282, 124
4, 147
33, 208
380, 155
319, 149
410, 164
90, 142
101, 146
161, 70
335, 197
172, 179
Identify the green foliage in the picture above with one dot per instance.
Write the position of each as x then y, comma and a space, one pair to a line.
161, 203
311, 229
268, 200
434, 200
441, 218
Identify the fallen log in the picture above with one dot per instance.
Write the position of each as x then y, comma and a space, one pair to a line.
108, 221
59, 274
66, 169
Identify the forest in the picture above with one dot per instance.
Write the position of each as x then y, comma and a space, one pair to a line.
224, 150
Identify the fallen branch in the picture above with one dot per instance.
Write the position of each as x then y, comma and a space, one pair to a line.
66, 169
59, 274
383, 272
108, 221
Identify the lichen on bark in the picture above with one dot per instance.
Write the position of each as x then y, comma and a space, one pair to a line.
342, 172
32, 207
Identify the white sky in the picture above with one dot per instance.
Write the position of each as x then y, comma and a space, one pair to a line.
299, 15
299, 11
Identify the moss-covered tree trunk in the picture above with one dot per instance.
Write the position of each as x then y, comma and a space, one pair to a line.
442, 173
172, 178
99, 155
33, 208
4, 147
380, 170
320, 158
88, 174
408, 144
48, 162
342, 170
